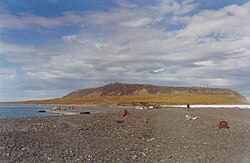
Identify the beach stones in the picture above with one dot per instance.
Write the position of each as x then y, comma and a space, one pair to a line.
222, 124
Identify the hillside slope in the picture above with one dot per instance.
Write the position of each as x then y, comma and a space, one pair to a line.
123, 89
143, 94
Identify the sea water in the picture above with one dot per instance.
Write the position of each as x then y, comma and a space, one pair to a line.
22, 111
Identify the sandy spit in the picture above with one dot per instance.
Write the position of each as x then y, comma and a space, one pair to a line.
155, 135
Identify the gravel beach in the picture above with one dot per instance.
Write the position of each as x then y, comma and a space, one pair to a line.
150, 135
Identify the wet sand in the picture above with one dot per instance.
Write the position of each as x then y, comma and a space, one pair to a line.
155, 135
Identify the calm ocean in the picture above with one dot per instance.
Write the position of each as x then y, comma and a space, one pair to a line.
21, 111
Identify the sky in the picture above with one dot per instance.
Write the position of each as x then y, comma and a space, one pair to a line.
52, 47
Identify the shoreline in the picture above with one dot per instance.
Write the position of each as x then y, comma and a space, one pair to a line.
94, 109
245, 105
88, 110
61, 112
80, 109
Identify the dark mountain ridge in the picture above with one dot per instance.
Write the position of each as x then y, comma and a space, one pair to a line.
123, 89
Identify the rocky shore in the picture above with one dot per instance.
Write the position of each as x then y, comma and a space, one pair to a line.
150, 135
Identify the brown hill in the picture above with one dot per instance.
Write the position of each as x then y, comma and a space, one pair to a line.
123, 89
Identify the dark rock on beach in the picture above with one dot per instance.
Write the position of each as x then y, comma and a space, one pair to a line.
155, 135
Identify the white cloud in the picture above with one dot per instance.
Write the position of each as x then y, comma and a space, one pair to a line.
217, 82
69, 37
126, 4
228, 21
31, 22
138, 23
100, 45
127, 13
159, 70
177, 8
211, 48
15, 53
205, 63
